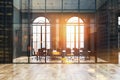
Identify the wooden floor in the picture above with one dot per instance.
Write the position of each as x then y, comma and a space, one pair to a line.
59, 72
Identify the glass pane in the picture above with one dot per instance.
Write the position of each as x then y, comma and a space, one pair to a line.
81, 44
38, 45
72, 45
34, 29
76, 37
48, 45
68, 44
72, 29
75, 20
81, 29
118, 18
87, 4
24, 4
48, 37
35, 46
43, 29
68, 29
38, 37
71, 34
119, 22
53, 4
38, 29
48, 29
68, 37
81, 37
72, 37
76, 29
43, 44
70, 4
34, 37
43, 37
38, 5
76, 44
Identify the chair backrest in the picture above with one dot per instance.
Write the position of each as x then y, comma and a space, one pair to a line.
42, 51
68, 51
76, 51
49, 52
59, 50
39, 52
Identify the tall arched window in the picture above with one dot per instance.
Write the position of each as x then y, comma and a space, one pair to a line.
41, 33
75, 33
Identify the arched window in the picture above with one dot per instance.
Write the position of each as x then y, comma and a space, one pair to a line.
41, 33
75, 33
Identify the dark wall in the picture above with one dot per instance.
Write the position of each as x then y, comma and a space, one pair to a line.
6, 37
107, 35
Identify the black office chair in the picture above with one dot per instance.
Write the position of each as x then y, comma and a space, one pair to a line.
76, 51
68, 54
49, 52
85, 54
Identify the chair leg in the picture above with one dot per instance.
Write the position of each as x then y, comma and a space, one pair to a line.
37, 58
78, 59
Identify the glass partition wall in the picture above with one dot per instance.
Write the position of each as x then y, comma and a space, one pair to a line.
54, 31
20, 34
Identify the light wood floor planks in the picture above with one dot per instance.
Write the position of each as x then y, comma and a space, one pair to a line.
59, 72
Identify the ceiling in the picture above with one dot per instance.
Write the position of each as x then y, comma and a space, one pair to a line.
58, 5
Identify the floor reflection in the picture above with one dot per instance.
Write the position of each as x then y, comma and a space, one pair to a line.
59, 71
57, 59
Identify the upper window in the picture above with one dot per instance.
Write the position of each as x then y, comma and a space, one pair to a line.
41, 33
75, 33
